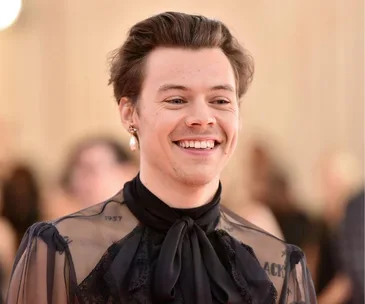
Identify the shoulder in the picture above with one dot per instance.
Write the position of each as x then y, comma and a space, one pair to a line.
88, 232
278, 258
93, 227
240, 227
261, 216
98, 220
268, 248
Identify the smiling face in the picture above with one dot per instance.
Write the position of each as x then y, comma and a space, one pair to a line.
187, 115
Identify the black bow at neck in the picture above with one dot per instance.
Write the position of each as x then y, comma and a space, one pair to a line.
189, 261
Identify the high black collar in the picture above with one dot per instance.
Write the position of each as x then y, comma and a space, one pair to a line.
154, 213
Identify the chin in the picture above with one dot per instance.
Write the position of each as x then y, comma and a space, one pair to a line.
195, 179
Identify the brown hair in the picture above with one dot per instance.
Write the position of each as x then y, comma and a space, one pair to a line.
172, 29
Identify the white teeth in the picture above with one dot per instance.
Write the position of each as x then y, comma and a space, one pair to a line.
204, 144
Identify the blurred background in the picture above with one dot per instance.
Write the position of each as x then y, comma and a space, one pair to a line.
300, 159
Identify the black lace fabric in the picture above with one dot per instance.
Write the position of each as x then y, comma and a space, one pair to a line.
135, 249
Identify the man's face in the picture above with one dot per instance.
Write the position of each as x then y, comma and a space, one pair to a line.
188, 114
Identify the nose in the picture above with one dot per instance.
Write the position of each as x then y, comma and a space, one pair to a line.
200, 116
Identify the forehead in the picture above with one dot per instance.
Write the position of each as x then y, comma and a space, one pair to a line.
192, 68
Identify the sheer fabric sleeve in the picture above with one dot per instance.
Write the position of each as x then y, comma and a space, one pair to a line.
43, 270
284, 264
297, 286
55, 259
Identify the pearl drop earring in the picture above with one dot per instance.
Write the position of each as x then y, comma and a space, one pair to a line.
133, 142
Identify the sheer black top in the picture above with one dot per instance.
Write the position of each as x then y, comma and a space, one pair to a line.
135, 249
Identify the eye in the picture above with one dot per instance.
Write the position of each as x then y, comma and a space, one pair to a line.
221, 101
176, 101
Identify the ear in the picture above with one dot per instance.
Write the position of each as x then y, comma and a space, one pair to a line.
128, 113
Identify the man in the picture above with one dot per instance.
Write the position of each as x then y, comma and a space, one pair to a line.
165, 238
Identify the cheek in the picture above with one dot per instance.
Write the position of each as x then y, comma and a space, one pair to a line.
147, 124
230, 124
156, 127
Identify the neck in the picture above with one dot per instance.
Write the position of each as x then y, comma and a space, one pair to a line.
177, 194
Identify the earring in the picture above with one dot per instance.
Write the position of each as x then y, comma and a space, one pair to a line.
133, 142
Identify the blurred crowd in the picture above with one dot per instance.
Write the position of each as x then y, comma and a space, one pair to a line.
97, 167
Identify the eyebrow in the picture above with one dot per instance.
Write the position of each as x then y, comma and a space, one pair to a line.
225, 87
167, 87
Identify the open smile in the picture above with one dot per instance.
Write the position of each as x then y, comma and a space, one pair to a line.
197, 147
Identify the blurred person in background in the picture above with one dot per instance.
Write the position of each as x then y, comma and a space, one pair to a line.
96, 169
21, 199
20, 208
351, 246
339, 179
255, 209
8, 248
270, 186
